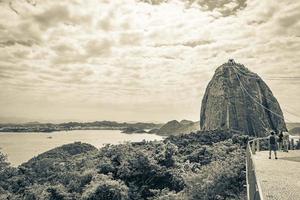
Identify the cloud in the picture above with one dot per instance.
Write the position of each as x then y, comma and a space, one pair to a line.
21, 54
139, 56
59, 14
68, 53
27, 43
98, 47
63, 48
288, 21
105, 22
192, 43
225, 7
154, 2
127, 38
53, 16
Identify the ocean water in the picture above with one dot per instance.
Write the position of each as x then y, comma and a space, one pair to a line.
20, 147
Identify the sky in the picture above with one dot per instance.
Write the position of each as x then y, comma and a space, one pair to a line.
139, 60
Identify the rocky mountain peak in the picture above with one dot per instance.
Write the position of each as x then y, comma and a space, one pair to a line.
239, 99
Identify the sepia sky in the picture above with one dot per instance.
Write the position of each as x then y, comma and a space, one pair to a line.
130, 60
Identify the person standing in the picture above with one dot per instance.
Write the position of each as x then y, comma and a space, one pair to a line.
280, 141
298, 145
286, 141
272, 145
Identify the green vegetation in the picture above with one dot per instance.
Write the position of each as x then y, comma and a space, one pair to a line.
202, 165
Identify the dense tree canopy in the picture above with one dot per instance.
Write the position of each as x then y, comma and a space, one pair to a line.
202, 165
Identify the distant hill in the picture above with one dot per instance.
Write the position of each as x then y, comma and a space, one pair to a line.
97, 125
187, 128
294, 128
176, 128
186, 122
133, 130
295, 131
169, 128
290, 126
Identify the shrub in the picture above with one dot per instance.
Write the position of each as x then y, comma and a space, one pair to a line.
219, 180
104, 188
3, 162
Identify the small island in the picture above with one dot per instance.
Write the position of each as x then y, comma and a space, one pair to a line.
133, 130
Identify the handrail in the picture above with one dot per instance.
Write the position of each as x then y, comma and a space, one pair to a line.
292, 139
254, 191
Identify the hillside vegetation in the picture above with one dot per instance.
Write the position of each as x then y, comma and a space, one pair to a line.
202, 165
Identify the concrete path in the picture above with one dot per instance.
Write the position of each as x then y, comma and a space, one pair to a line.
279, 179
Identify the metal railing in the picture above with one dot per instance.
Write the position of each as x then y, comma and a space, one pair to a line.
293, 144
253, 187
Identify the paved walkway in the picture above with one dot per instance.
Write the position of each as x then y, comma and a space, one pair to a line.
279, 179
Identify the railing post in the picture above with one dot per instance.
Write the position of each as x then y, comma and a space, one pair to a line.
253, 147
253, 190
251, 180
248, 170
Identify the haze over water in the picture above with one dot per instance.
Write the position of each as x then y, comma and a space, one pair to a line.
20, 147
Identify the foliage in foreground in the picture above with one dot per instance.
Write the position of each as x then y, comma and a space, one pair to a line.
203, 165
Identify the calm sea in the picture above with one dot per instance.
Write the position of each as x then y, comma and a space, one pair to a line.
20, 147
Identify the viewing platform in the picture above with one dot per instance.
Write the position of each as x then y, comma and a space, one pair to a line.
271, 179
279, 179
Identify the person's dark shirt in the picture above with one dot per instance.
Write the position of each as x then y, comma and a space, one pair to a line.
272, 139
280, 136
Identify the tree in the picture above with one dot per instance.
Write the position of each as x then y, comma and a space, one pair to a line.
103, 188
3, 162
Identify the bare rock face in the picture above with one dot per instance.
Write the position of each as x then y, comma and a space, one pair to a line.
239, 99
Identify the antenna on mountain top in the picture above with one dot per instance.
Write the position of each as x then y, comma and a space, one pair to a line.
231, 61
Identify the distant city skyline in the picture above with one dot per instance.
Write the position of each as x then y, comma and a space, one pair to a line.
131, 60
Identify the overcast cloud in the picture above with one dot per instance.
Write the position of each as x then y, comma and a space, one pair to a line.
147, 60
